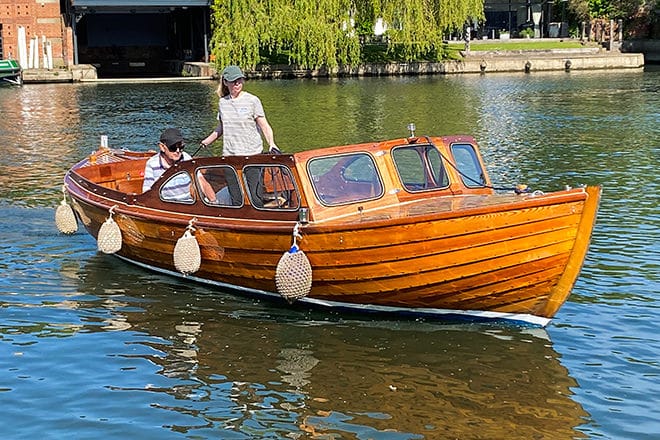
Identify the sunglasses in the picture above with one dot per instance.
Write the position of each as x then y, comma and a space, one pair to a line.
179, 146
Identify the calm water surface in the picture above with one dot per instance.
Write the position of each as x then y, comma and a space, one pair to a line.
91, 347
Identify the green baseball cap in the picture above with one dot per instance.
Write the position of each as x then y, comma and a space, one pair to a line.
232, 73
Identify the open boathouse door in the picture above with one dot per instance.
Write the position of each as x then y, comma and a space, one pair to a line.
139, 38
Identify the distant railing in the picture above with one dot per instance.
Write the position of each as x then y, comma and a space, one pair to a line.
603, 31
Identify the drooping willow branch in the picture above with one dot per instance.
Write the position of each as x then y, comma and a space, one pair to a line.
315, 33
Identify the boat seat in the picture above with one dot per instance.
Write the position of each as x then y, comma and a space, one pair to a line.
133, 186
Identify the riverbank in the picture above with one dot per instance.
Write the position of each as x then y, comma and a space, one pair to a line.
479, 62
472, 62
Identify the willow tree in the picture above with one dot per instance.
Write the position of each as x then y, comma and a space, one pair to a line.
419, 26
315, 33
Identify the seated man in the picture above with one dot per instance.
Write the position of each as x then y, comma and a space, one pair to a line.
171, 152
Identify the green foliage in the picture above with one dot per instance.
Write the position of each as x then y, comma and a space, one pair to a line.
315, 33
399, 53
639, 16
526, 33
579, 9
614, 9
601, 8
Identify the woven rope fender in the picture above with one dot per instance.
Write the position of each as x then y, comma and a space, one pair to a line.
109, 238
187, 257
293, 275
65, 219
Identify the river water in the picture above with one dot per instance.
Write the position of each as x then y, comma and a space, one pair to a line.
91, 347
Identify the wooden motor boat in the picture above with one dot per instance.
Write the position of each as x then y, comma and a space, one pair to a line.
410, 225
11, 72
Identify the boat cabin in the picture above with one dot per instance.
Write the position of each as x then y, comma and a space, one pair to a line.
329, 182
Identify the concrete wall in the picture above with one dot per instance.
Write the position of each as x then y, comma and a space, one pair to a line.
191, 69
532, 62
475, 63
650, 49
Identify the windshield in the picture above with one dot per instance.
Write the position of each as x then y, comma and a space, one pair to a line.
345, 178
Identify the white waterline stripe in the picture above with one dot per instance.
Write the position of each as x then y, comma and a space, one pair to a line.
430, 312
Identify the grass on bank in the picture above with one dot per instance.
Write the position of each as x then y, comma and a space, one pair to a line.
453, 49
522, 44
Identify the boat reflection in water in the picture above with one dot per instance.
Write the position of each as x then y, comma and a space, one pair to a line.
237, 365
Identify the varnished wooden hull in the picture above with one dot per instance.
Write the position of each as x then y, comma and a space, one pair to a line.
510, 260
522, 260
486, 255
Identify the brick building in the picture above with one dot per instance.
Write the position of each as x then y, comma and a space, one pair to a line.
39, 18
119, 37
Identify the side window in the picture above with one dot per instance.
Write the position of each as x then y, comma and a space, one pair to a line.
410, 168
178, 189
437, 168
271, 187
345, 179
221, 181
468, 165
420, 167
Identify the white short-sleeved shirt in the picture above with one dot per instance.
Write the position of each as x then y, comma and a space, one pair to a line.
240, 132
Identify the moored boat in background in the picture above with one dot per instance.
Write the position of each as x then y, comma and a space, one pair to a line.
411, 225
11, 72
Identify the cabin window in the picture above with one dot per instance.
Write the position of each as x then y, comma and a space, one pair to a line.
468, 165
345, 179
420, 167
178, 188
271, 187
222, 183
